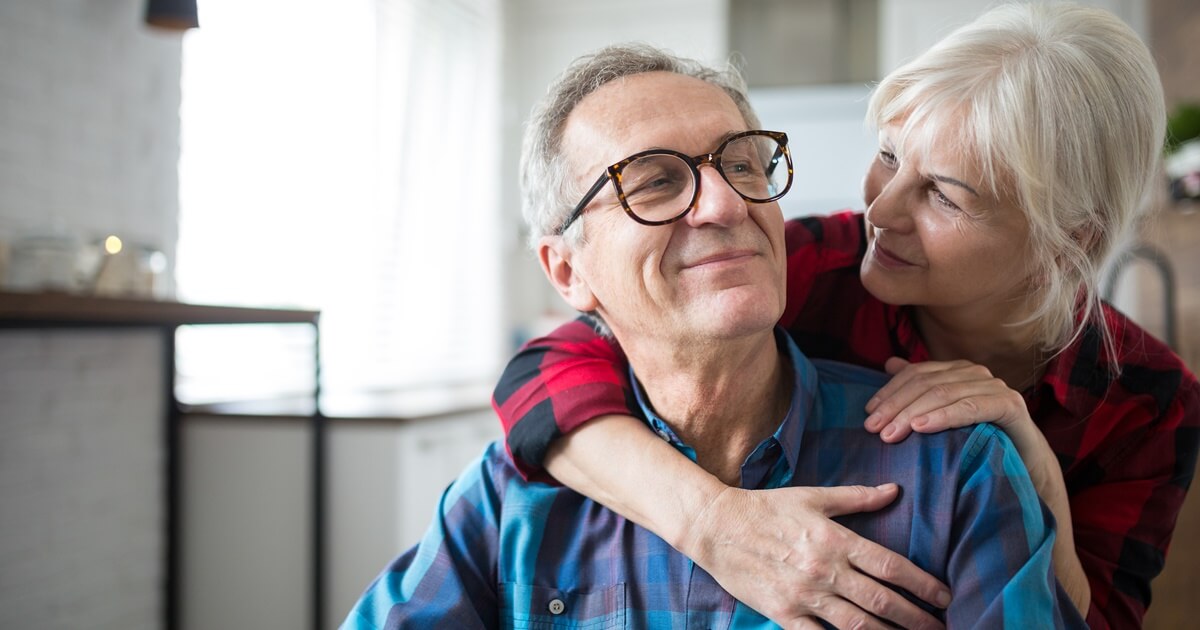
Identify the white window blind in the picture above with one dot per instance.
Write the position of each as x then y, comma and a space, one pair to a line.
342, 156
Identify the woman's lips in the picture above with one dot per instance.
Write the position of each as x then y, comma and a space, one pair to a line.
887, 258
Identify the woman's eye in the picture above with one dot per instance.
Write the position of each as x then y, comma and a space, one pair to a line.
887, 158
942, 200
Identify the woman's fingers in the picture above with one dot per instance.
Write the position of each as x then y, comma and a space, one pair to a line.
916, 382
882, 602
843, 614
803, 623
882, 564
779, 552
951, 405
911, 372
983, 406
842, 500
894, 365
872, 559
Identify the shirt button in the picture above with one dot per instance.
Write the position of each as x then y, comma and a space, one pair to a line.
556, 606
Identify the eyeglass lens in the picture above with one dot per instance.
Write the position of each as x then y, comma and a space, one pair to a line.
660, 187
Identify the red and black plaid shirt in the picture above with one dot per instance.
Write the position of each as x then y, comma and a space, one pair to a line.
1127, 444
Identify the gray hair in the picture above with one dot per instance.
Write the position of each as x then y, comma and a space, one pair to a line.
548, 193
1063, 108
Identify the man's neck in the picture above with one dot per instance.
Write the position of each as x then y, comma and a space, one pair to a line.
721, 398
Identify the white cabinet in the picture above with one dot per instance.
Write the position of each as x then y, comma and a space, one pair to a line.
247, 505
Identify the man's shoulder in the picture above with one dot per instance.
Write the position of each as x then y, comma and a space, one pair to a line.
492, 474
846, 388
497, 475
849, 375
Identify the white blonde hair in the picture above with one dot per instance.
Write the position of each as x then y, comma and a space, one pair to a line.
1062, 107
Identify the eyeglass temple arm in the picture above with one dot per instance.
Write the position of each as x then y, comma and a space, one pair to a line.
587, 198
774, 163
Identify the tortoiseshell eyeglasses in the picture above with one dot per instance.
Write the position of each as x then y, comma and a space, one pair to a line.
660, 186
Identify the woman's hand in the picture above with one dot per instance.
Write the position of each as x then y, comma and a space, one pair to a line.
937, 395
775, 550
779, 553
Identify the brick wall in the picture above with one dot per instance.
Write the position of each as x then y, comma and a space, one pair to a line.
89, 122
80, 480
89, 128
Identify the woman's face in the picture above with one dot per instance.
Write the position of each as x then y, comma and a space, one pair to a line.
937, 236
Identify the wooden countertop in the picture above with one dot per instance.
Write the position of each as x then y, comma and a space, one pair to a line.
63, 308
400, 406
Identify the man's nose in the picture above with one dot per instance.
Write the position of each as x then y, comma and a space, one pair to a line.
718, 203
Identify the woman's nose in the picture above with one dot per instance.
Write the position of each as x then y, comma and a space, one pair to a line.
889, 200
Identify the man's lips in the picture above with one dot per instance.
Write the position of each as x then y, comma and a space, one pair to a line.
733, 255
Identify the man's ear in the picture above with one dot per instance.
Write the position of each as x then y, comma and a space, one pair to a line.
559, 264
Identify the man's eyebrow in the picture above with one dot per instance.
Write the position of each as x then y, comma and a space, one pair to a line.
954, 182
720, 140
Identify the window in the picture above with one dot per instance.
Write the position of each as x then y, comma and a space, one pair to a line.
342, 156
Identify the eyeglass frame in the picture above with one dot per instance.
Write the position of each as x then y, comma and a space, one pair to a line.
613, 173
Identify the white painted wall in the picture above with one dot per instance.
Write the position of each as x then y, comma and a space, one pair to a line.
909, 27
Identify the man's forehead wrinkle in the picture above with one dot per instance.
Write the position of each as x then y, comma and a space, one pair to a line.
626, 116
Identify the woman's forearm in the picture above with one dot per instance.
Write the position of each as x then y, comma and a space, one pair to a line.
1048, 480
760, 545
618, 462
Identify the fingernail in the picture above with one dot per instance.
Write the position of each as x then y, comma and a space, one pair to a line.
943, 599
872, 422
889, 431
917, 423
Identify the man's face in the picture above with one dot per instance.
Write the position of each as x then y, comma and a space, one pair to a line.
717, 273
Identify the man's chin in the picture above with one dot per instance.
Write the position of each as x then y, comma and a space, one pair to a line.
737, 314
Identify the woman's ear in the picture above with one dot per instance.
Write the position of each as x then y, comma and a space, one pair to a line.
560, 263
1086, 237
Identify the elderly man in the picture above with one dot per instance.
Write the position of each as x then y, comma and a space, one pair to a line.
651, 200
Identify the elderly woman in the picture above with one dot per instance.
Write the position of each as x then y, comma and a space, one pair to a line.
1013, 156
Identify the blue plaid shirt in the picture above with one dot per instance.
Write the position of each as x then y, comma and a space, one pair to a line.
503, 552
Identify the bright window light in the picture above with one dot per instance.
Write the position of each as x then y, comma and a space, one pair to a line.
342, 157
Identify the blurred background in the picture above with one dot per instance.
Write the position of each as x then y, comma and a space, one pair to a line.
357, 158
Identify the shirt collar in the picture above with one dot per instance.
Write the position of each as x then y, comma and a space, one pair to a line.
787, 437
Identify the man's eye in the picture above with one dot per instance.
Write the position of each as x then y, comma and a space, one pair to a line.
658, 182
647, 184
